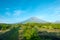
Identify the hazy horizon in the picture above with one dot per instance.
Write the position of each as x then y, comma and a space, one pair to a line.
13, 11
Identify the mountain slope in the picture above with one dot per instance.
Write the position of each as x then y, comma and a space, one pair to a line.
34, 20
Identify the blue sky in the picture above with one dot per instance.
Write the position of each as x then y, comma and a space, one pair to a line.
13, 11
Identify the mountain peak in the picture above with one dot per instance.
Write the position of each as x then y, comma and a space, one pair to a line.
34, 20
33, 17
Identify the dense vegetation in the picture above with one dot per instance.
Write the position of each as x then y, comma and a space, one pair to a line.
31, 31
12, 34
44, 25
4, 26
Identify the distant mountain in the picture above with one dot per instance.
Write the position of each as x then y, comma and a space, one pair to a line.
34, 20
57, 21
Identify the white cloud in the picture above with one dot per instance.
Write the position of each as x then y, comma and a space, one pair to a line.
7, 8
8, 13
14, 13
56, 12
17, 12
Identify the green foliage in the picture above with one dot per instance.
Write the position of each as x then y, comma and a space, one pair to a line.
30, 34
4, 26
12, 34
30, 30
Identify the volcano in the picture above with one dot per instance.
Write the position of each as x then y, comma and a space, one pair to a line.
34, 20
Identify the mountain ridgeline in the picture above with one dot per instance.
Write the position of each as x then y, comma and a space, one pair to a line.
34, 20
